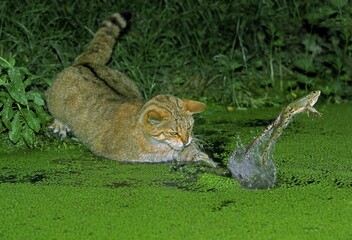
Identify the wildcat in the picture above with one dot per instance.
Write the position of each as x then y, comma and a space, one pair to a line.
106, 111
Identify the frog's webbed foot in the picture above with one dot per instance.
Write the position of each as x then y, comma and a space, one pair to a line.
318, 114
313, 111
60, 128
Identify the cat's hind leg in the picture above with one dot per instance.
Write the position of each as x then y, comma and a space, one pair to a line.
59, 128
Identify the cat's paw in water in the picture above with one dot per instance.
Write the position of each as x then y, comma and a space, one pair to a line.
192, 153
201, 156
59, 128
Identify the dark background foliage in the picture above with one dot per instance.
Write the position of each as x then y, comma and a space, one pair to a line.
248, 53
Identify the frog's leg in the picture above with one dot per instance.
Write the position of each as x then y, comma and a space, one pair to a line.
60, 128
257, 139
313, 111
272, 140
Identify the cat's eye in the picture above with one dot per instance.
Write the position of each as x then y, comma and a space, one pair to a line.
173, 133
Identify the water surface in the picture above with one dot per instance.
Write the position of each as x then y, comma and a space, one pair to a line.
65, 192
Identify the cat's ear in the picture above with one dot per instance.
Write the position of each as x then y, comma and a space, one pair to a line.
193, 106
154, 117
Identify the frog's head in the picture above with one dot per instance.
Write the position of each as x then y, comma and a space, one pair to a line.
313, 97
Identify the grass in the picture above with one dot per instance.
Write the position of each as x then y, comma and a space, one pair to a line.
245, 53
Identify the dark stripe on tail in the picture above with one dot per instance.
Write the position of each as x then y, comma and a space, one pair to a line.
117, 22
127, 16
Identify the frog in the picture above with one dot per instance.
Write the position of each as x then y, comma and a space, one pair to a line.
251, 165
303, 104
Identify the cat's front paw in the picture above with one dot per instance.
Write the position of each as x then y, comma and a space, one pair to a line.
192, 153
60, 128
201, 156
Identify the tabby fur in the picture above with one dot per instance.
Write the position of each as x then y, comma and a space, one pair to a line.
106, 110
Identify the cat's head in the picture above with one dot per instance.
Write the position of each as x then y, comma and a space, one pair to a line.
168, 119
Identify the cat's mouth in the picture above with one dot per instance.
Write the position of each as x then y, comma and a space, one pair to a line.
176, 145
177, 148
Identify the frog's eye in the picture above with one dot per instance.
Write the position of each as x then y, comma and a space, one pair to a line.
314, 92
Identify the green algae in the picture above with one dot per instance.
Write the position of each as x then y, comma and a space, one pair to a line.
68, 193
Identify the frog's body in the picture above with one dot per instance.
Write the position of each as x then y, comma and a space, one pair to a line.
303, 104
274, 130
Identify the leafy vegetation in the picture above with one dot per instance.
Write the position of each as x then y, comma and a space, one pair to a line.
242, 54
21, 104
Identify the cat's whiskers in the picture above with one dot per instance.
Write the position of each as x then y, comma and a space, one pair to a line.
199, 142
106, 110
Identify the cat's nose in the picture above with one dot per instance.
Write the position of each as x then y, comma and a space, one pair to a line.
186, 139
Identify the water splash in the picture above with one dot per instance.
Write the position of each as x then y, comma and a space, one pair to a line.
253, 166
248, 166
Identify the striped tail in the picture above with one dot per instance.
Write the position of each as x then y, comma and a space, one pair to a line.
100, 49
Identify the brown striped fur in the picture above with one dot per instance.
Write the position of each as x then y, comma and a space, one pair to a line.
106, 111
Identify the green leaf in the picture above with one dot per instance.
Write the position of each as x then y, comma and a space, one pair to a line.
39, 110
304, 64
35, 97
31, 119
7, 113
15, 75
31, 80
14, 134
6, 64
28, 135
4, 95
16, 86
24, 70
3, 80
12, 62
235, 65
